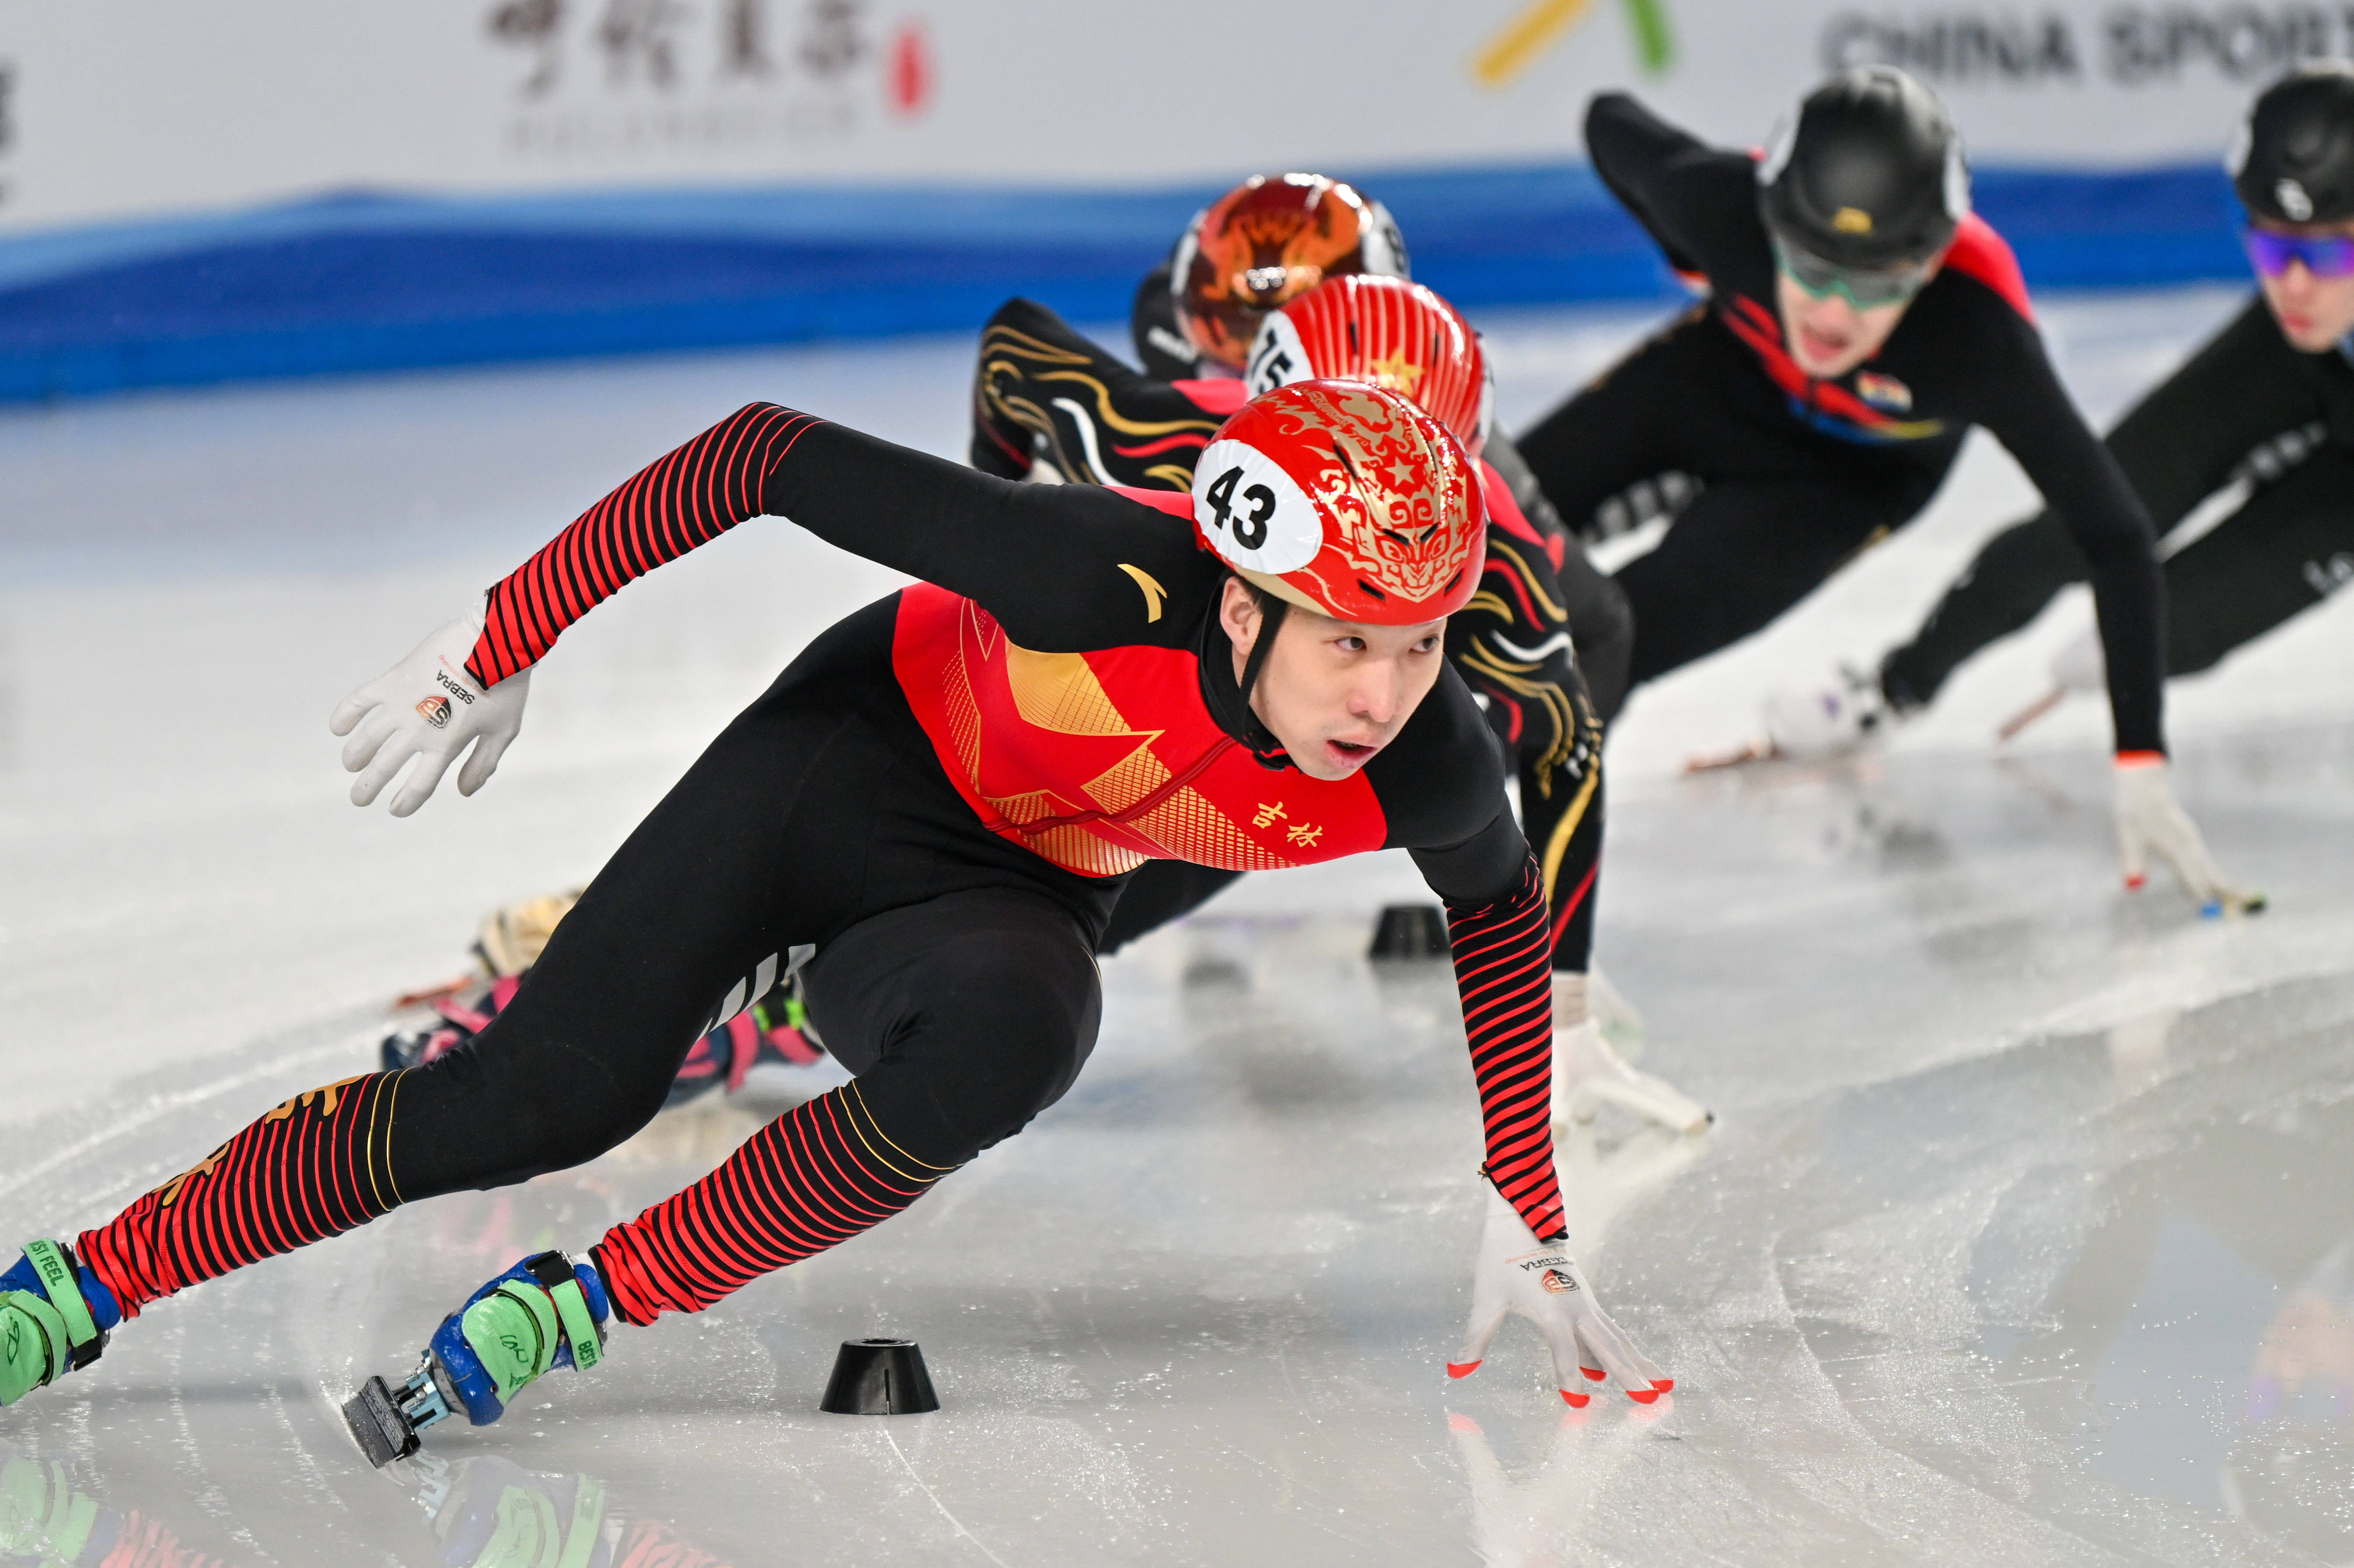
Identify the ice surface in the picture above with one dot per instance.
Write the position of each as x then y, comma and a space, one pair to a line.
2028, 1235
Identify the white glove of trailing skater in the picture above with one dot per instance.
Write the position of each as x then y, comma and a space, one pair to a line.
2149, 818
1588, 1074
1517, 1273
1827, 717
428, 708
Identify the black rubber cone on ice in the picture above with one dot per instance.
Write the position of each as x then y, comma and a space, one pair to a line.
1410, 931
879, 1377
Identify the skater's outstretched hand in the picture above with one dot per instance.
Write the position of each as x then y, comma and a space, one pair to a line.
2150, 819
428, 708
1515, 1272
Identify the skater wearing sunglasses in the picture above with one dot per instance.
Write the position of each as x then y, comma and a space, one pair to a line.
1859, 319
2267, 403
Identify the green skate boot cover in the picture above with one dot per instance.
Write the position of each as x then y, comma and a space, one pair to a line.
43, 1518
529, 1534
516, 1330
43, 1337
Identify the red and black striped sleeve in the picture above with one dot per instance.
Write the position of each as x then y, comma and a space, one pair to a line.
687, 498
1503, 962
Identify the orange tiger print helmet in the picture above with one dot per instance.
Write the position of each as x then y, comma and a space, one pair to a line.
1270, 239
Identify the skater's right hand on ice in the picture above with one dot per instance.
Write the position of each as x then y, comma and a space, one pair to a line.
2149, 818
1517, 1273
428, 708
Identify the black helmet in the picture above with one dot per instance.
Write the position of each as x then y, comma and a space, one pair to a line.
2293, 159
1869, 174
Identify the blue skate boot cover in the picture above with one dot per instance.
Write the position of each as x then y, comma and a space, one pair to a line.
54, 1319
545, 1312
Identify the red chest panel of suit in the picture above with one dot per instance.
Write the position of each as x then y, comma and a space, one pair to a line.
1101, 761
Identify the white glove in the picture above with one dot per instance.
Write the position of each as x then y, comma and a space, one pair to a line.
1834, 715
1517, 1273
1587, 1075
428, 708
2149, 818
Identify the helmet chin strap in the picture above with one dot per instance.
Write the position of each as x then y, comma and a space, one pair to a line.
1270, 622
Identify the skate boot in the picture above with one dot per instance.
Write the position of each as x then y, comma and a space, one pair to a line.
460, 1015
54, 1319
545, 1312
1622, 1025
775, 1029
1588, 1074
1831, 717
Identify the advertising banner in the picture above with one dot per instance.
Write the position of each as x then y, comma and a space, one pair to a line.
132, 132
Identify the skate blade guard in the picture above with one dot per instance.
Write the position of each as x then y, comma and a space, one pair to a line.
377, 1425
386, 1421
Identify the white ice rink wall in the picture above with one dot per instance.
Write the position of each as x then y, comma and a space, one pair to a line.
195, 193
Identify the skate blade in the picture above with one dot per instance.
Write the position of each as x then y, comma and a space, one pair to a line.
2031, 713
1740, 757
376, 1425
1653, 1102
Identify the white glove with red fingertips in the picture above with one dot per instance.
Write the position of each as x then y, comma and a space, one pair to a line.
2150, 819
428, 708
1515, 1272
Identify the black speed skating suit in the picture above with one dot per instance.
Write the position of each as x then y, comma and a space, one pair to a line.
2247, 406
1800, 474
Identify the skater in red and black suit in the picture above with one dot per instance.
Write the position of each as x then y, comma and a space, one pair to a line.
1049, 403
942, 795
1859, 320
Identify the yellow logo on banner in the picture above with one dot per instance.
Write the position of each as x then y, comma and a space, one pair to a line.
1528, 35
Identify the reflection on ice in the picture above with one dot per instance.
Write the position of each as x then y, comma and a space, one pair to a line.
487, 1512
490, 1512
2154, 1221
1530, 1517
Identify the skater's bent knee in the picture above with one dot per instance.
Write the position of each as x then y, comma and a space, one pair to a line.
962, 1017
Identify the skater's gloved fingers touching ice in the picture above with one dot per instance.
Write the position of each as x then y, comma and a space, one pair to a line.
1572, 1367
2179, 843
1606, 1349
1588, 1347
369, 737
1517, 1274
1487, 1317
421, 781
2151, 821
